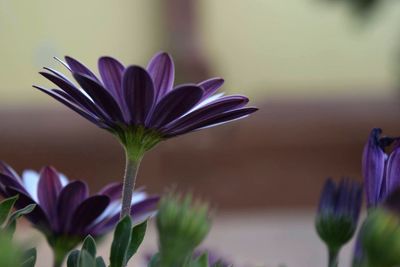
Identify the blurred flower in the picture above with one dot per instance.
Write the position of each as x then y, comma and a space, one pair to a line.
182, 225
140, 105
380, 236
381, 170
338, 213
65, 213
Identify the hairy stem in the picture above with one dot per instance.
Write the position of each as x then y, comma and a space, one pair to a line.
131, 171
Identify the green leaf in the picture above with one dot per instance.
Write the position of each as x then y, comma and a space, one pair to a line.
154, 261
72, 260
120, 243
137, 236
201, 261
12, 222
18, 213
100, 262
85, 259
29, 258
5, 207
90, 246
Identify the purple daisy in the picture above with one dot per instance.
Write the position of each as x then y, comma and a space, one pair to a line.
127, 98
141, 106
65, 213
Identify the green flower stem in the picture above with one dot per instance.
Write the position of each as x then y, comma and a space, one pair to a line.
333, 258
59, 256
131, 171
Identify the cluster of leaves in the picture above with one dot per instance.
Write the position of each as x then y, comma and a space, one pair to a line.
182, 225
12, 254
126, 241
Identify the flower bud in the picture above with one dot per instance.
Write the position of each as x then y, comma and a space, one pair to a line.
182, 226
380, 237
338, 212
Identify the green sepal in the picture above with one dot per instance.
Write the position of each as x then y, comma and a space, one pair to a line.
5, 208
120, 243
137, 236
29, 258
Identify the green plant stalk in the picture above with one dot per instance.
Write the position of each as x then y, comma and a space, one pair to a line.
131, 170
59, 256
333, 258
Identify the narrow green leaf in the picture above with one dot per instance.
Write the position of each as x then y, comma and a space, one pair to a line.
137, 236
12, 221
86, 260
18, 213
72, 260
5, 207
90, 246
100, 262
29, 258
120, 243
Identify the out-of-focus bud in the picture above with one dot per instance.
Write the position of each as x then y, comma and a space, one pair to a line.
338, 214
182, 225
380, 237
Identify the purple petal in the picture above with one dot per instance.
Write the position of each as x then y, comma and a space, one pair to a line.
213, 121
393, 171
113, 191
82, 100
9, 171
327, 198
49, 187
69, 199
37, 217
144, 209
210, 86
373, 164
161, 69
77, 67
87, 212
175, 104
100, 96
139, 212
111, 71
10, 181
87, 115
214, 108
139, 93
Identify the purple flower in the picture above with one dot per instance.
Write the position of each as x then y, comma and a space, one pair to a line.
338, 212
381, 170
65, 212
133, 102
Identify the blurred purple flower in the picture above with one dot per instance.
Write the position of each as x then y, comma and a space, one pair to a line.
381, 170
126, 98
64, 210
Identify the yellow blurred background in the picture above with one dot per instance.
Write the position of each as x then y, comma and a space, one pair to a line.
321, 77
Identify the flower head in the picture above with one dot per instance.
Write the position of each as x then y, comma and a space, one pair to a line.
381, 170
65, 213
142, 106
338, 212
